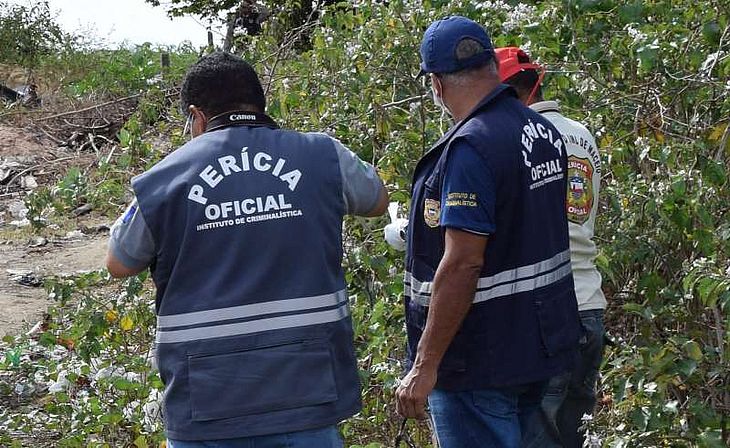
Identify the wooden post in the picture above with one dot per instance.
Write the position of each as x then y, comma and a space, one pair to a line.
165, 64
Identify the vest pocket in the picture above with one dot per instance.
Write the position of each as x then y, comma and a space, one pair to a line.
554, 314
259, 380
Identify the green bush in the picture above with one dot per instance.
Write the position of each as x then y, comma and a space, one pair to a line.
650, 79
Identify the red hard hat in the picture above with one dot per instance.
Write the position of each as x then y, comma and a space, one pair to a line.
513, 60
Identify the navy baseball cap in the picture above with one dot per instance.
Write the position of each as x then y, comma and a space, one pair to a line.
438, 47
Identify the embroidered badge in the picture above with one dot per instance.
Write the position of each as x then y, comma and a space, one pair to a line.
580, 190
432, 212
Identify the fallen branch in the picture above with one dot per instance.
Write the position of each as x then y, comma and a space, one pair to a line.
33, 168
96, 106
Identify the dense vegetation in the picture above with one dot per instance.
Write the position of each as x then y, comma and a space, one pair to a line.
649, 78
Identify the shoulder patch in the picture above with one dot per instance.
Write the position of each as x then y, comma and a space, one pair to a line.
130, 214
580, 189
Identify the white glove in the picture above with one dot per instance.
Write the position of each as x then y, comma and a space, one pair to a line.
395, 234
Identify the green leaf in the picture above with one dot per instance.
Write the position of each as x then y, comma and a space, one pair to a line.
141, 442
631, 13
711, 32
710, 289
711, 438
124, 138
686, 367
693, 350
714, 173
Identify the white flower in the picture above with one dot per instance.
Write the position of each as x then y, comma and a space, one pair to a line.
650, 388
593, 441
637, 35
709, 63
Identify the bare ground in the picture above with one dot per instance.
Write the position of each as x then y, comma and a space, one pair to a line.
22, 306
26, 257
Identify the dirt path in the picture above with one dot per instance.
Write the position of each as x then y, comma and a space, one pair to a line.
22, 306
29, 160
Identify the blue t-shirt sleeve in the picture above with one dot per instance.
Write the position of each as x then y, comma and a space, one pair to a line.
468, 194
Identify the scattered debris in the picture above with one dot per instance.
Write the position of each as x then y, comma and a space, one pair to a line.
84, 209
75, 234
38, 242
93, 230
61, 384
28, 182
8, 168
25, 277
9, 94
25, 95
37, 328
18, 209
20, 223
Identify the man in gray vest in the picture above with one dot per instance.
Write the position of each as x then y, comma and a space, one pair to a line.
241, 228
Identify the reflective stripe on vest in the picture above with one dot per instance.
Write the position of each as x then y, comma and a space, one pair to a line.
302, 317
505, 283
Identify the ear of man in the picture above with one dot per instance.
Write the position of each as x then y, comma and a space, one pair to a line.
199, 120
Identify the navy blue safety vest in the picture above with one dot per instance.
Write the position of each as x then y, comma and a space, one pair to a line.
254, 334
523, 324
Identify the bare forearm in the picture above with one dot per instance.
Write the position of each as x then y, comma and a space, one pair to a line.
453, 293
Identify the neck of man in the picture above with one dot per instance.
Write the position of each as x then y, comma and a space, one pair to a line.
249, 108
524, 96
465, 99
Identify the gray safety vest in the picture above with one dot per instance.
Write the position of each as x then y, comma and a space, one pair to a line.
254, 334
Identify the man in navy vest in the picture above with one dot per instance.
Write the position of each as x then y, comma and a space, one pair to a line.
490, 304
571, 395
241, 228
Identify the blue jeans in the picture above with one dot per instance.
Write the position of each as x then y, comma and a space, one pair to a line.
326, 437
569, 396
487, 418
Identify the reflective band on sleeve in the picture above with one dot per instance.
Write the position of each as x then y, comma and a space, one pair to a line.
253, 326
252, 310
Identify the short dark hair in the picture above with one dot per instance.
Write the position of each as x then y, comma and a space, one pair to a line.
524, 81
465, 49
220, 82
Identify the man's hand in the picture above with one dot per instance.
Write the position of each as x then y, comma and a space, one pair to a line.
453, 293
413, 392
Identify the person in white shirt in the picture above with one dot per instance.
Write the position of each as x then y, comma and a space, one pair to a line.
571, 395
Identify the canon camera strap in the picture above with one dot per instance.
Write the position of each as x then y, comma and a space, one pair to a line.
240, 118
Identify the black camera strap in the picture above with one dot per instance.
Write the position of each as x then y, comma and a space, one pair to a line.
240, 118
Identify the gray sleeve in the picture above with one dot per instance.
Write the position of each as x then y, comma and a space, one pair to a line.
361, 185
130, 240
